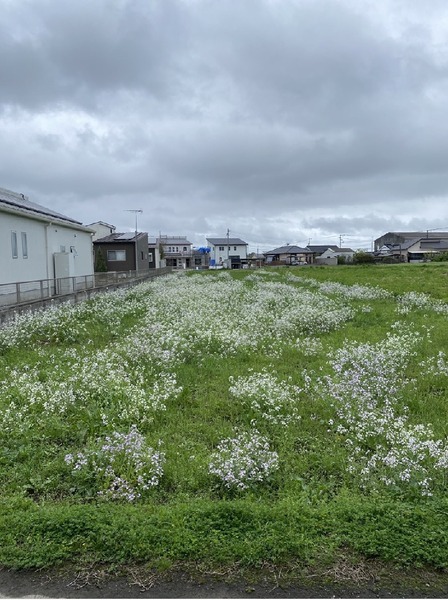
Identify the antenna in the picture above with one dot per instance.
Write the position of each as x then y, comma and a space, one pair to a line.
136, 211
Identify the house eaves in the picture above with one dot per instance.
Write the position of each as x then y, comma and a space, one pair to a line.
18, 204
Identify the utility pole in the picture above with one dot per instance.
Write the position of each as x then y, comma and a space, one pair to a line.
340, 241
135, 211
228, 247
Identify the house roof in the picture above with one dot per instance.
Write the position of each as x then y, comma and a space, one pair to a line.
415, 235
322, 248
21, 204
120, 238
433, 244
173, 241
404, 245
289, 250
101, 223
226, 241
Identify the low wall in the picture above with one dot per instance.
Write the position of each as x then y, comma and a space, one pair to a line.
8, 313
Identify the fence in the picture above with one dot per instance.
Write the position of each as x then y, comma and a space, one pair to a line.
12, 294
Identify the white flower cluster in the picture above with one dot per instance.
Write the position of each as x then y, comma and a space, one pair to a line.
243, 460
366, 389
191, 316
419, 301
81, 385
123, 465
350, 292
272, 400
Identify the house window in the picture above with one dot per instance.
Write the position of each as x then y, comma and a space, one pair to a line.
221, 248
185, 248
116, 255
14, 248
24, 245
234, 247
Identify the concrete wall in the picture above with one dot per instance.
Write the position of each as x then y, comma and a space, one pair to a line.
8, 313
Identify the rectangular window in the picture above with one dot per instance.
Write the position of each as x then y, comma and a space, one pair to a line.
116, 255
221, 248
14, 248
24, 245
234, 247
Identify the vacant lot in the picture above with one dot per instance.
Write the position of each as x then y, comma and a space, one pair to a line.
272, 417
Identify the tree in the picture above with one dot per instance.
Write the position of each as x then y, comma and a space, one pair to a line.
100, 262
362, 258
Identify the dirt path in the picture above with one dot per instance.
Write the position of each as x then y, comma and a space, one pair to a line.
177, 584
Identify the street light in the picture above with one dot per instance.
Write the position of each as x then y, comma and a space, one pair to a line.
135, 211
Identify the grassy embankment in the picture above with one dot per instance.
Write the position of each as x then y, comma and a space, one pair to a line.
350, 409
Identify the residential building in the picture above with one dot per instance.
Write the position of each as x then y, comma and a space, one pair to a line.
318, 250
289, 255
123, 251
400, 237
419, 250
101, 229
227, 251
201, 257
171, 251
40, 243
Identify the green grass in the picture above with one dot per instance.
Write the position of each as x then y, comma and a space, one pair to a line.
309, 510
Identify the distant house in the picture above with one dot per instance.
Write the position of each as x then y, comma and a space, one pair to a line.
201, 257
227, 251
123, 251
330, 254
170, 250
318, 250
422, 249
400, 237
289, 255
101, 229
255, 259
39, 243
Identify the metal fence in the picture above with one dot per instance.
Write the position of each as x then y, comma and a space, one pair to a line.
29, 291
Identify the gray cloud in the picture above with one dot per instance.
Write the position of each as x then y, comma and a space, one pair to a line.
280, 120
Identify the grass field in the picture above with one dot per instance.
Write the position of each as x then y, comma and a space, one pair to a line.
231, 417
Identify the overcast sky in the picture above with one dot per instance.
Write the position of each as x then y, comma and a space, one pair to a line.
283, 121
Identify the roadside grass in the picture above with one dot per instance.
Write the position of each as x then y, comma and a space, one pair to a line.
163, 358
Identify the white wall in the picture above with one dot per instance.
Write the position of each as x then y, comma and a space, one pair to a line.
77, 242
100, 230
42, 241
218, 255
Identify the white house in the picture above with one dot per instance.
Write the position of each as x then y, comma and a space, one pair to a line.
101, 229
228, 251
346, 253
39, 243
